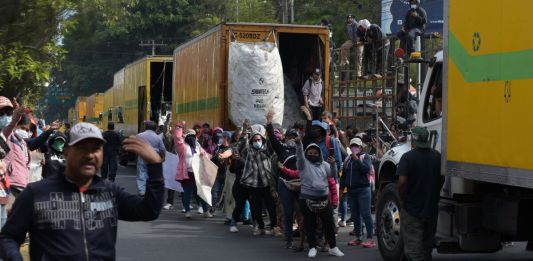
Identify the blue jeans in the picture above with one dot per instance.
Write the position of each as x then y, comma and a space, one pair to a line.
216, 191
288, 200
142, 176
360, 204
188, 192
343, 208
3, 215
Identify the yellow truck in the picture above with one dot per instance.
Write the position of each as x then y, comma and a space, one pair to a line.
95, 108
80, 109
108, 109
201, 72
485, 74
71, 115
141, 91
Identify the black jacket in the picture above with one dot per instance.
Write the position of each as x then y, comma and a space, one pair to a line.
286, 154
66, 224
416, 21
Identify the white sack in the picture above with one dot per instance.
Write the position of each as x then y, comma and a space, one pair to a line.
255, 83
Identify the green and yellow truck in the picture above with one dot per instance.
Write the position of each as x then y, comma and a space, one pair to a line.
142, 90
485, 73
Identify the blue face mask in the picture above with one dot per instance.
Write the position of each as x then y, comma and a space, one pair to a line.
257, 144
4, 121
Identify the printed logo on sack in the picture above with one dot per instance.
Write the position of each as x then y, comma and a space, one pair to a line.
261, 81
260, 91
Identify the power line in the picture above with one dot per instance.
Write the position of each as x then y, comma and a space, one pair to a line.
152, 44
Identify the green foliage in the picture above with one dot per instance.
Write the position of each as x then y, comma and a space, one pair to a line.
101, 36
29, 32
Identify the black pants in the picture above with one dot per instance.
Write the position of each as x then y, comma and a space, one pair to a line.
316, 112
170, 196
109, 167
310, 224
257, 197
407, 39
240, 194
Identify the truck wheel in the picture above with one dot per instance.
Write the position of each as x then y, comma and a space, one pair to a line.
388, 224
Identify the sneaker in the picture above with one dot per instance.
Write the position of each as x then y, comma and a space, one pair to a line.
183, 210
233, 229
277, 232
342, 224
207, 214
259, 232
336, 252
188, 215
355, 242
288, 244
350, 223
312, 252
268, 232
200, 210
168, 206
369, 244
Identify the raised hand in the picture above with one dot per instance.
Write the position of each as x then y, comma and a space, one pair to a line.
269, 117
142, 149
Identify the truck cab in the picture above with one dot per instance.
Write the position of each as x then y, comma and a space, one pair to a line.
429, 115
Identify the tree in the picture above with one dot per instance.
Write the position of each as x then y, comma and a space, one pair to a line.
29, 36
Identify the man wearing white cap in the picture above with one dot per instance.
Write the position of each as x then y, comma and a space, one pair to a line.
74, 215
312, 91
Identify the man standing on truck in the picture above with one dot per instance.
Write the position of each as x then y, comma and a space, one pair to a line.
413, 26
419, 185
312, 91
353, 39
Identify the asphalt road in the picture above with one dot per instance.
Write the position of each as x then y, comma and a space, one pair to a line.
172, 237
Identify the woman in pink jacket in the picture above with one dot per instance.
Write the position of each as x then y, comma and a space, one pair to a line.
186, 146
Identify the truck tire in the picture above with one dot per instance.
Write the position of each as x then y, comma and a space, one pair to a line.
390, 242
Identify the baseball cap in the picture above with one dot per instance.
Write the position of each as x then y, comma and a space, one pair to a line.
5, 102
83, 131
356, 141
420, 137
190, 132
321, 124
316, 71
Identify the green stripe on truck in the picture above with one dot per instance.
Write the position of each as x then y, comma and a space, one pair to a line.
198, 105
505, 66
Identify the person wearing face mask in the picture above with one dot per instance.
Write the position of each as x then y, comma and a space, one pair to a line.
356, 179
220, 157
53, 154
413, 26
287, 159
318, 195
257, 176
186, 146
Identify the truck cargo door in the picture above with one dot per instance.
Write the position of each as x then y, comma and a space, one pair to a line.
142, 108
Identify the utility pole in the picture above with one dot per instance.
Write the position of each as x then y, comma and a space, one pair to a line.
152, 44
292, 11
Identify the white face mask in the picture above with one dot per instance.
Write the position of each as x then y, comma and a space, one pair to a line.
413, 6
22, 134
4, 121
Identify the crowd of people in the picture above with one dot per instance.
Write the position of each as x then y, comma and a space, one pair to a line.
306, 178
372, 45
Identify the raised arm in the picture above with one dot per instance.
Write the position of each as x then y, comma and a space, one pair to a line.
136, 208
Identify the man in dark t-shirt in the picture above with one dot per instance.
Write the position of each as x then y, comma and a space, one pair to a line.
111, 149
419, 184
